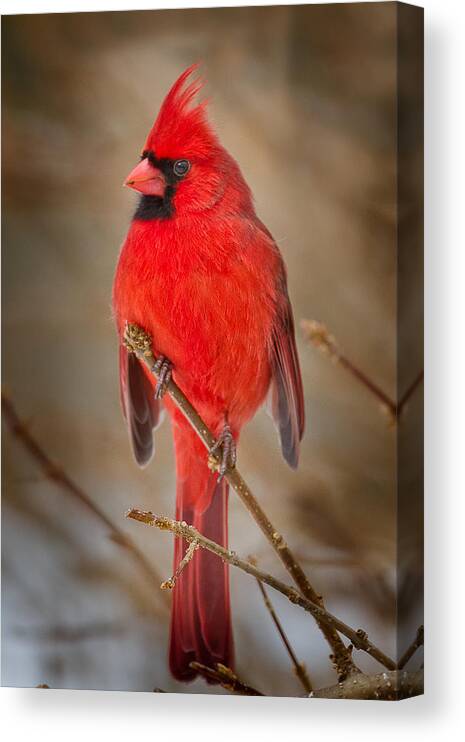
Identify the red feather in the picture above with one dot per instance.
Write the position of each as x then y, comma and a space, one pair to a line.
208, 283
200, 619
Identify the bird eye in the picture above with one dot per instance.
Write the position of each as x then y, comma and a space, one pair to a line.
181, 167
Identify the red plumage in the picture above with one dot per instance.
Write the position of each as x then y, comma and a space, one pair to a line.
203, 276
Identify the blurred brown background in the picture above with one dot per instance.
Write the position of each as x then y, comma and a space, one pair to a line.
305, 99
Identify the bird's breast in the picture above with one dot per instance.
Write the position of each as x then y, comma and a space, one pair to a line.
209, 310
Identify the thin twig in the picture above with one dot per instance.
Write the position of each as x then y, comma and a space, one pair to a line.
330, 562
140, 343
410, 651
318, 334
61, 479
408, 393
321, 338
63, 633
299, 668
358, 638
171, 582
226, 678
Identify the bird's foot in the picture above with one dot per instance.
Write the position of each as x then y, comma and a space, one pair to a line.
223, 454
136, 339
163, 369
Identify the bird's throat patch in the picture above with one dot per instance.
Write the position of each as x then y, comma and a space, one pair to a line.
158, 207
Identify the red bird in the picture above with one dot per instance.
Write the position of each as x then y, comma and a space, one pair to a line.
202, 274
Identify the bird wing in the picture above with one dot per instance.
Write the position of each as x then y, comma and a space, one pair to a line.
142, 412
286, 392
286, 396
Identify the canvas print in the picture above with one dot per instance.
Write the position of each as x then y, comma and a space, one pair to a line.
212, 351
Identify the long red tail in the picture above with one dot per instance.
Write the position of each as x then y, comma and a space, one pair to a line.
201, 618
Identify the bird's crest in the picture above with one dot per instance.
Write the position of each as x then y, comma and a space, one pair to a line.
182, 128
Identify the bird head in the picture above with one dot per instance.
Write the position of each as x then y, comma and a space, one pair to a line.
183, 167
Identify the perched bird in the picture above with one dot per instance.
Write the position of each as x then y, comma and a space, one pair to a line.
201, 273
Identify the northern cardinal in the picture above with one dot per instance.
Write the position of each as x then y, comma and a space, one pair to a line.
201, 273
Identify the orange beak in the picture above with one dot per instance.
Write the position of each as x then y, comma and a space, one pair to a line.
146, 179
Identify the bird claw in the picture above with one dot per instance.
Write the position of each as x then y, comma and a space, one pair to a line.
163, 369
223, 453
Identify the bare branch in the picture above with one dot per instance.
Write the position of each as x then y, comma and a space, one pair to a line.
171, 582
387, 686
226, 678
408, 393
60, 478
359, 638
299, 668
410, 651
63, 633
319, 336
140, 343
